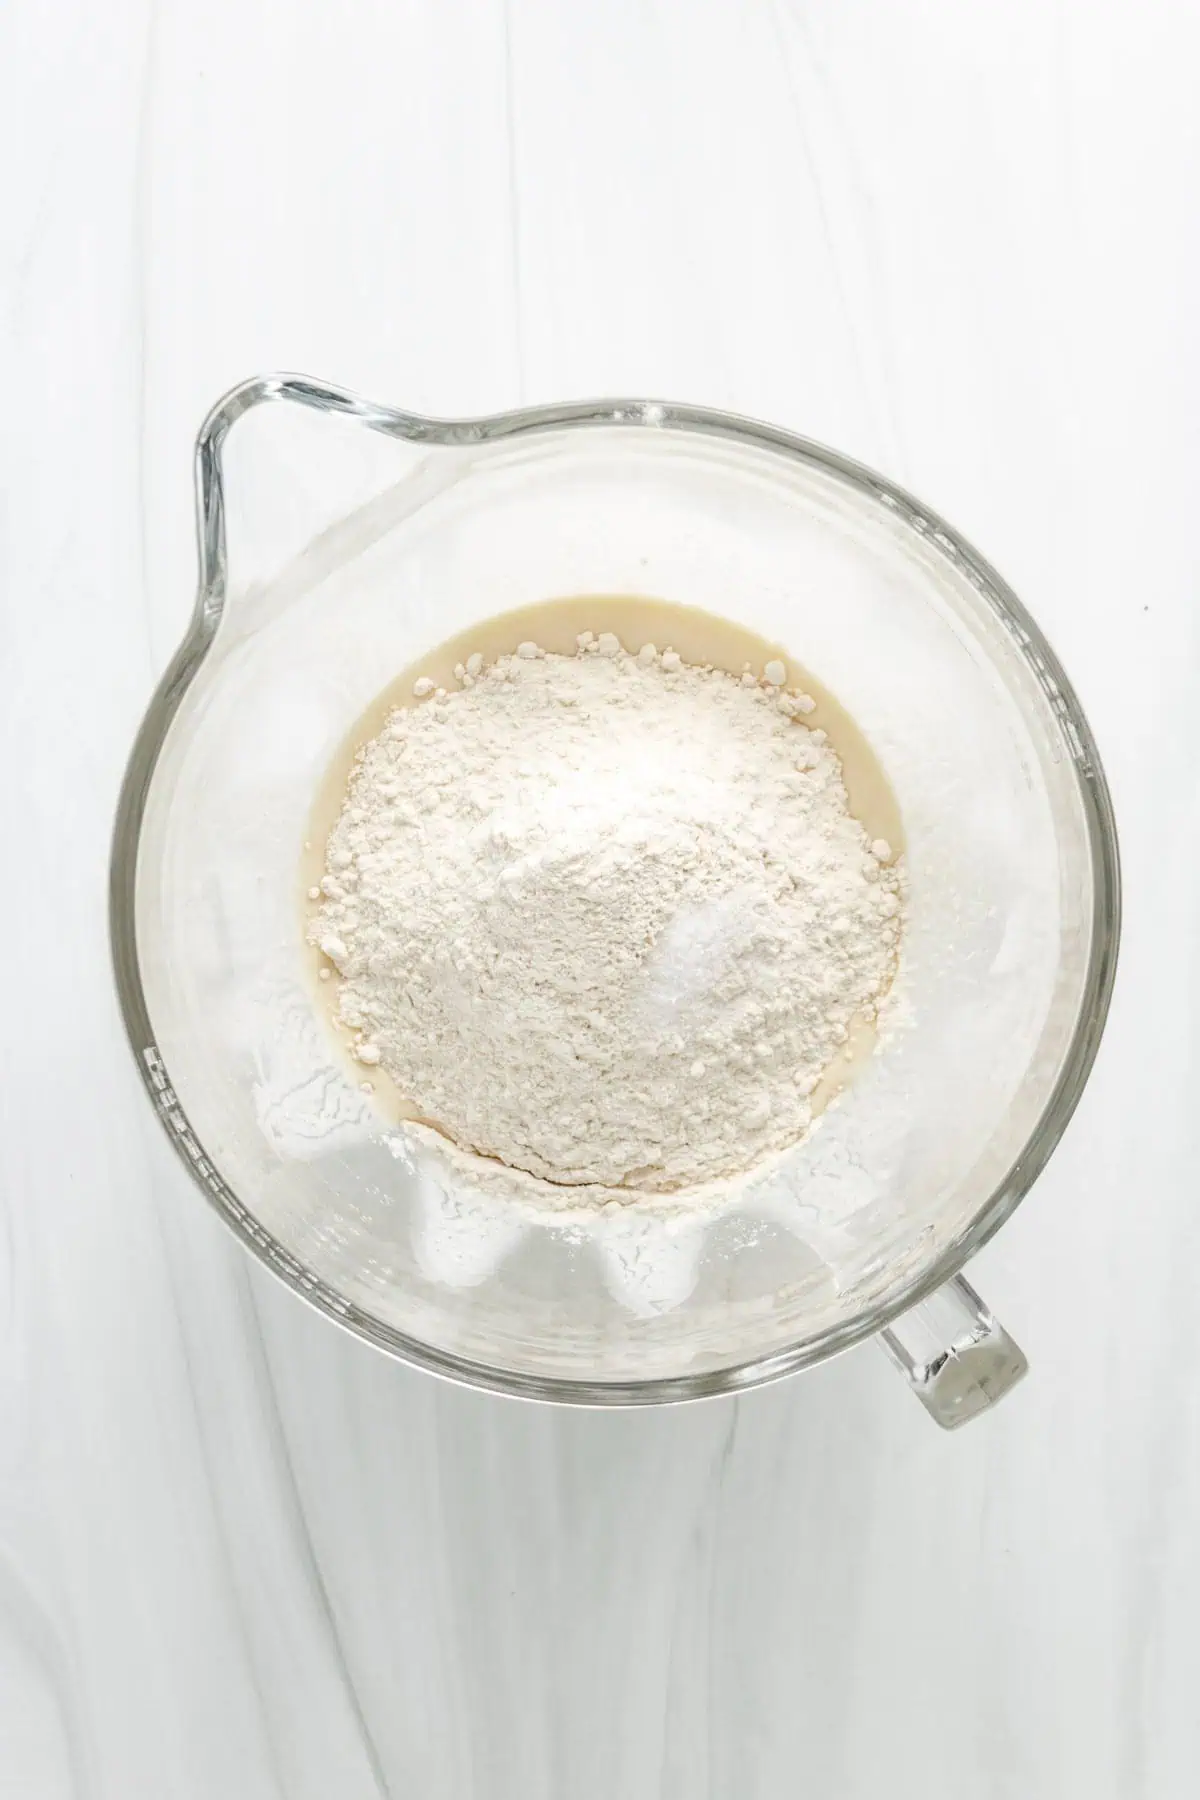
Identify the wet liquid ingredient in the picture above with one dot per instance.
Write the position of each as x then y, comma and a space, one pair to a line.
700, 639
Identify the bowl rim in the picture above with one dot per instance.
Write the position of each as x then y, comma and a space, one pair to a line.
635, 416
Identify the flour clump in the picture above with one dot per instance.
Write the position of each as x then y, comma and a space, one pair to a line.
605, 918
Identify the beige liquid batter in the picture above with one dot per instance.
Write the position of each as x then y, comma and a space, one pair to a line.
701, 638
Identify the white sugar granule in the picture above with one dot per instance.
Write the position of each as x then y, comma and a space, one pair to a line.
605, 918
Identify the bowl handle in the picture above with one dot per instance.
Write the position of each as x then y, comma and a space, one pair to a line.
955, 1356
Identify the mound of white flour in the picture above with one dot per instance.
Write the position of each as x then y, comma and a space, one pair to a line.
605, 918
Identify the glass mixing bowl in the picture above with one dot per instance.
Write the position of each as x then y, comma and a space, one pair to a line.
389, 533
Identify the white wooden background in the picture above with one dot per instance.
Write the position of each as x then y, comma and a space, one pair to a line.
242, 1556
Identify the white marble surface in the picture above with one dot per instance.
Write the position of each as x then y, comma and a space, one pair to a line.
242, 1555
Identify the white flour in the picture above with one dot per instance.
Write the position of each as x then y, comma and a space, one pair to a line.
606, 918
